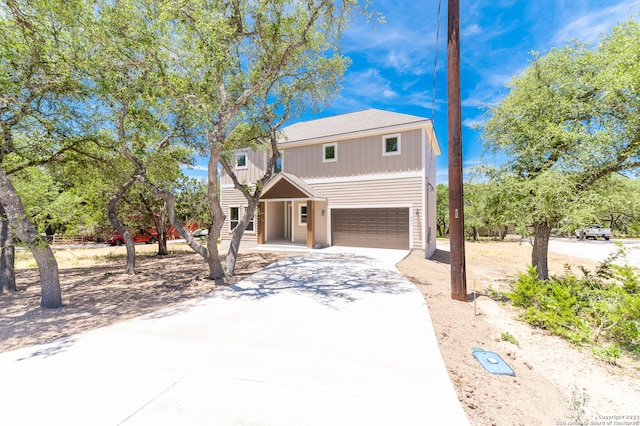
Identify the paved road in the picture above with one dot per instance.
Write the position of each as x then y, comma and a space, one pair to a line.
596, 250
318, 339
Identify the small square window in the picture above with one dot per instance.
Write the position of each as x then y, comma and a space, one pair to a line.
391, 145
329, 152
241, 160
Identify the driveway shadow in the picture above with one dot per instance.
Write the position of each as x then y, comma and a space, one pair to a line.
326, 278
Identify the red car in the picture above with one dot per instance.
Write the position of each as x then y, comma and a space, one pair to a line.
149, 237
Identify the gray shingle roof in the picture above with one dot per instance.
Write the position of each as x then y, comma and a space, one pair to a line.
360, 121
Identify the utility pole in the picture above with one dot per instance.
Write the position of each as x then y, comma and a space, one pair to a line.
456, 199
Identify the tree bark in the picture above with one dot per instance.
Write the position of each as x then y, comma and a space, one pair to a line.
253, 200
234, 246
539, 254
7, 255
21, 226
216, 272
159, 221
162, 241
130, 267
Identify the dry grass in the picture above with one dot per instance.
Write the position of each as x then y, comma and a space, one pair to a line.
96, 293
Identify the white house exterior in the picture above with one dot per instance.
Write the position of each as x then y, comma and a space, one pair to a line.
363, 179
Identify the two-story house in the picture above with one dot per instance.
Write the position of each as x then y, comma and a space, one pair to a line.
363, 179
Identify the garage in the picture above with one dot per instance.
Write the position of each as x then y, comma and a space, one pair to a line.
374, 227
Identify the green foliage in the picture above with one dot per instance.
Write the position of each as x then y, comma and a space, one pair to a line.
508, 337
442, 210
192, 203
583, 310
609, 353
618, 205
569, 120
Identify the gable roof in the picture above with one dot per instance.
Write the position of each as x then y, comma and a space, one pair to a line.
367, 122
286, 185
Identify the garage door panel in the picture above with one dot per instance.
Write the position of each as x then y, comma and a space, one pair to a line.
380, 227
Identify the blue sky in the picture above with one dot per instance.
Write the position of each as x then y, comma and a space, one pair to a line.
393, 64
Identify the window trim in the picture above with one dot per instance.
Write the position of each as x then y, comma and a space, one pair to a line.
386, 153
306, 214
335, 152
246, 162
241, 211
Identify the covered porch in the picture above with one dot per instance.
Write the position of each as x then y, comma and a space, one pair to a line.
293, 212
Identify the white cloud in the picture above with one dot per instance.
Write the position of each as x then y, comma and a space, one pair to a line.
195, 167
442, 176
471, 30
368, 84
590, 26
388, 93
403, 44
471, 123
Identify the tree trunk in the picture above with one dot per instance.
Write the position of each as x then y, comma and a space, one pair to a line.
238, 232
216, 272
162, 242
130, 267
21, 226
539, 254
160, 223
7, 255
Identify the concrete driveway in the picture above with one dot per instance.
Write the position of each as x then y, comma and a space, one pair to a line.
318, 339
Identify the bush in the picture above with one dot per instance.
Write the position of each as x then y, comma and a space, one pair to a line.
604, 305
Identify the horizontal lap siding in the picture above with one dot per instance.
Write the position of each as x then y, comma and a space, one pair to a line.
378, 193
231, 197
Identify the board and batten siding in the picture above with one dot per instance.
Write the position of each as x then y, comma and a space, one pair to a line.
256, 164
400, 192
356, 157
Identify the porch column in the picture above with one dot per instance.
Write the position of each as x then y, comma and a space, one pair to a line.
311, 238
261, 212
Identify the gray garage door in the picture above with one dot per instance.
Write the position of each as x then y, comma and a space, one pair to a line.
380, 228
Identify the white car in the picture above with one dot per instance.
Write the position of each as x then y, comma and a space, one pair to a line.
593, 231
200, 232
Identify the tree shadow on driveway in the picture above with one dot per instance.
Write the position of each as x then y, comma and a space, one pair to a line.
326, 278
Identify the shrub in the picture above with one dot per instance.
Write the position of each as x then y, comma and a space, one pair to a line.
585, 310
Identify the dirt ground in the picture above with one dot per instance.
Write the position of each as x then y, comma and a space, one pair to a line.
555, 382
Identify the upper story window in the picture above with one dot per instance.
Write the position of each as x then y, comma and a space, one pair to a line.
241, 160
391, 144
329, 152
